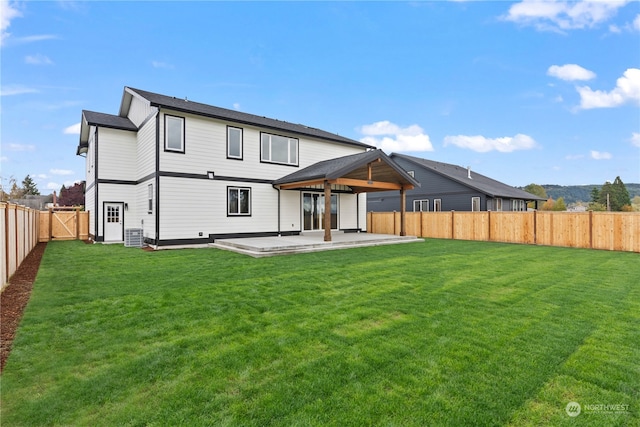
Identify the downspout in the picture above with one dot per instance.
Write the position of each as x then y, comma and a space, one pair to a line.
97, 214
279, 234
157, 180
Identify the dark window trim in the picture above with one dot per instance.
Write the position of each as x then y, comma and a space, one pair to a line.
235, 187
297, 164
241, 143
150, 198
184, 137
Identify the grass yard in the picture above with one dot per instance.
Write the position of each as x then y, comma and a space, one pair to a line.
436, 333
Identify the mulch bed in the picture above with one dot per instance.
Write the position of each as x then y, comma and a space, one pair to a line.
14, 299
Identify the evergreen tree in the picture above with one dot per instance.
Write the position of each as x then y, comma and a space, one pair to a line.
29, 187
595, 195
620, 195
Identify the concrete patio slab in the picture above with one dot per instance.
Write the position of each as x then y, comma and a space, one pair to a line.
258, 247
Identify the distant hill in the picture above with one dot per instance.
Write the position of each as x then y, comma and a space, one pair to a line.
581, 193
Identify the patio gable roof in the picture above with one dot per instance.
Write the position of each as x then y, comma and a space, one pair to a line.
363, 172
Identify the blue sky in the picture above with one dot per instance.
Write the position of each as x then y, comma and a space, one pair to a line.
524, 92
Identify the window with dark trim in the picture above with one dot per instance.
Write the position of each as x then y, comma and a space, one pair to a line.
234, 143
174, 133
498, 205
238, 201
278, 149
150, 199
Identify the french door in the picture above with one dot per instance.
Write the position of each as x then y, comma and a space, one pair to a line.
313, 211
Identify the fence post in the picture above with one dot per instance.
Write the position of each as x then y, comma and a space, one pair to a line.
591, 229
453, 226
489, 231
77, 223
50, 224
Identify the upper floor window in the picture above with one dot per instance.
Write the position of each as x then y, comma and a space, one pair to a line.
475, 204
412, 174
174, 133
278, 149
234, 143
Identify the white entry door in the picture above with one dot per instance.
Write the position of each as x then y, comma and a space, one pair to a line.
113, 222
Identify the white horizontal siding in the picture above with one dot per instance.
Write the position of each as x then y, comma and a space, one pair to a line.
118, 193
89, 206
206, 144
348, 211
116, 154
146, 150
290, 211
191, 206
90, 160
146, 220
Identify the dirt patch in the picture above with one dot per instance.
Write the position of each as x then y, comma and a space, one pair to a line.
14, 299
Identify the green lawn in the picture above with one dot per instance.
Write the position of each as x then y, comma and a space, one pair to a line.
436, 333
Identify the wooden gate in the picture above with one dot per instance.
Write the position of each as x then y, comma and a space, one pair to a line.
64, 224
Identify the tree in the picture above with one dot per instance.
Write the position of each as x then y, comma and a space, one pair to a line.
548, 205
72, 196
614, 195
595, 195
537, 190
559, 205
29, 187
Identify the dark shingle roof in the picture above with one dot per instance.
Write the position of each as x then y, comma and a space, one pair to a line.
341, 166
108, 120
479, 182
240, 117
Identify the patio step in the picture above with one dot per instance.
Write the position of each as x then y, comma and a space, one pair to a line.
270, 246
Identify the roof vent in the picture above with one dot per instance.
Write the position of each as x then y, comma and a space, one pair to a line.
469, 172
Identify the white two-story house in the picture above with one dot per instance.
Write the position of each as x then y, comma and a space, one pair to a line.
189, 173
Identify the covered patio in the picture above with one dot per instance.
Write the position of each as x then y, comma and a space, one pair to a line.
358, 173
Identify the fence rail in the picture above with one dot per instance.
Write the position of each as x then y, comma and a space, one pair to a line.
21, 229
614, 231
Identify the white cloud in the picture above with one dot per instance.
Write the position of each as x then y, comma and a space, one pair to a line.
600, 155
38, 59
627, 90
34, 38
636, 23
4, 159
53, 186
561, 15
11, 90
73, 129
236, 106
635, 139
61, 172
7, 13
574, 156
614, 29
20, 147
482, 144
160, 64
392, 138
570, 72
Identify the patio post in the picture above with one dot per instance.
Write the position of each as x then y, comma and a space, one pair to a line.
403, 211
327, 211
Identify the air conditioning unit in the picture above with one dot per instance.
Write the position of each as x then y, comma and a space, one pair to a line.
133, 238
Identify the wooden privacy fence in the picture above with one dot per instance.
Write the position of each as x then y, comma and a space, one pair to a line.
21, 229
614, 231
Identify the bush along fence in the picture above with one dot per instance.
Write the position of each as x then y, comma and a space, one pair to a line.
614, 231
21, 229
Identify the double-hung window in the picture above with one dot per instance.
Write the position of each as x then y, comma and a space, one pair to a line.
437, 205
498, 205
238, 201
234, 143
278, 149
174, 133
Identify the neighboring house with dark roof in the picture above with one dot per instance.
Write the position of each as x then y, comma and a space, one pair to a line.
447, 187
190, 173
